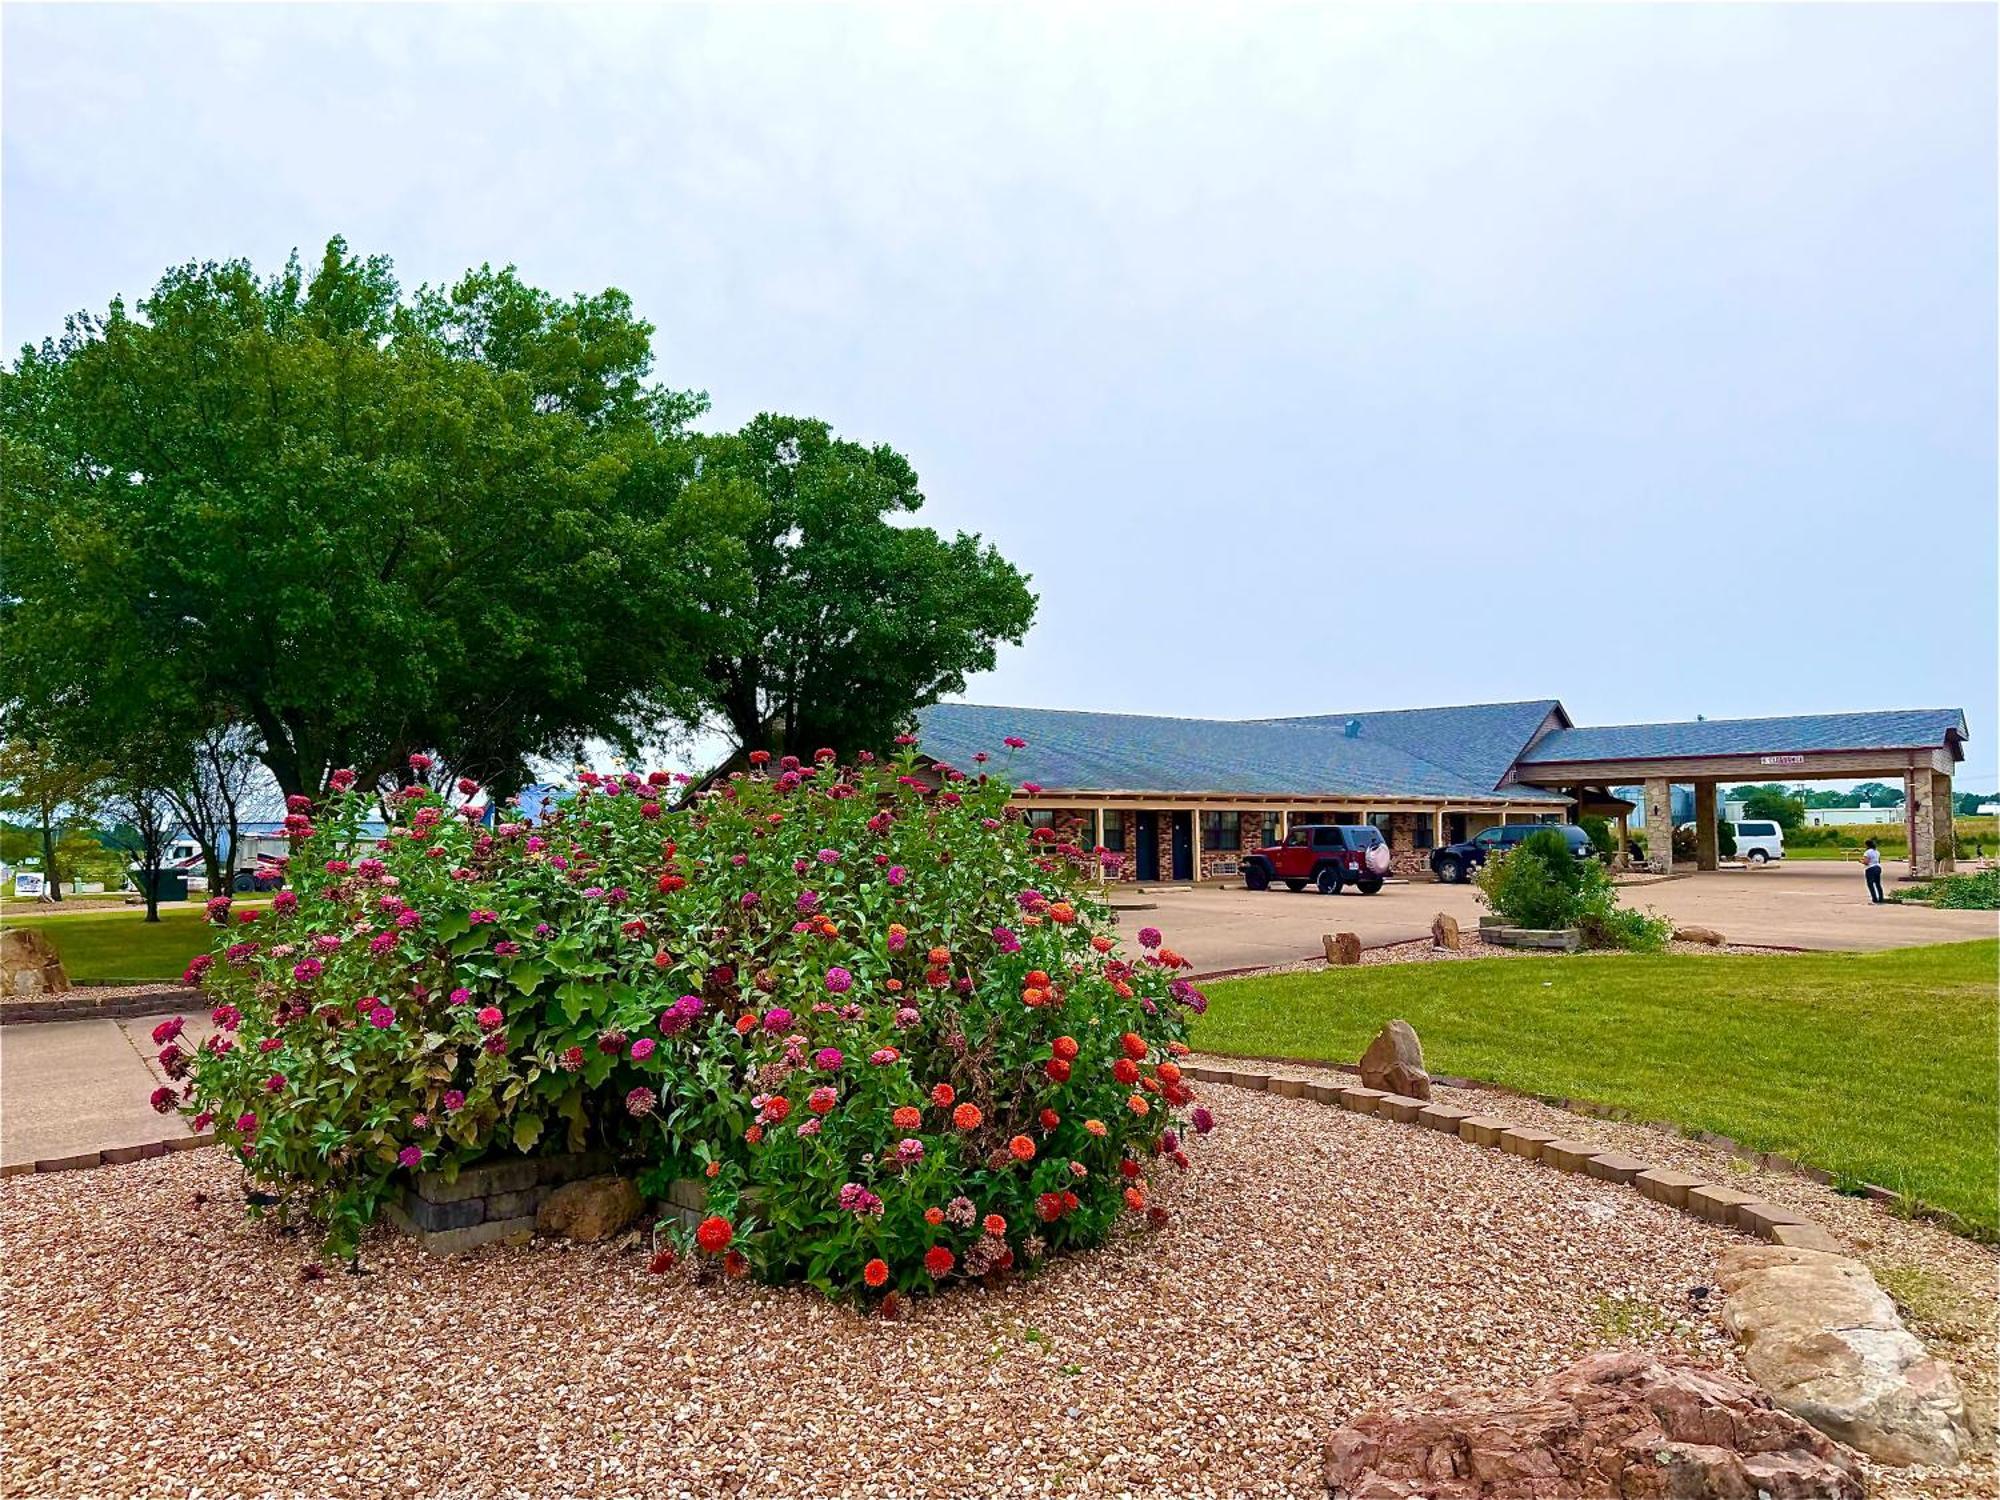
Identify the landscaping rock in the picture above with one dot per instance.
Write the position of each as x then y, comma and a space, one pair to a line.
1825, 1341
1444, 932
1394, 1062
1341, 947
1706, 935
594, 1209
1622, 1423
28, 965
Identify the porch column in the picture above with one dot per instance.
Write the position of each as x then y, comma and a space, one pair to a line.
1284, 824
1919, 790
1622, 859
1944, 842
1437, 828
1705, 839
1660, 826
1194, 833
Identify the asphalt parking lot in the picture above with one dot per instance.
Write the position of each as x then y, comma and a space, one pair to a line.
1808, 904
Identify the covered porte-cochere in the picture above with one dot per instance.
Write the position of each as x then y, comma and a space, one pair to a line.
1921, 746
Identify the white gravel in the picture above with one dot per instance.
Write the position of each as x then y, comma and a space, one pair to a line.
1318, 1262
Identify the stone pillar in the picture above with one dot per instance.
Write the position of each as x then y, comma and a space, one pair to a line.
1944, 842
1918, 788
1622, 858
1660, 826
1705, 835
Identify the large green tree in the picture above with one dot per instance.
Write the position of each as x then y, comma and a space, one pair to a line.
357, 524
853, 618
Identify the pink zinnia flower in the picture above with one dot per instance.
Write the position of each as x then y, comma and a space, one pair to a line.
490, 1018
162, 1099
838, 980
381, 1018
410, 1156
828, 1059
246, 1123
1149, 937
639, 1102
642, 1049
454, 1101
166, 1031
275, 1082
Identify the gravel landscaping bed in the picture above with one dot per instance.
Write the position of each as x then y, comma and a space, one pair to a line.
1946, 1286
1318, 1262
1424, 951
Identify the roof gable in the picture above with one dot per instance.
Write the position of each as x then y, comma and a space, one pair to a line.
1888, 729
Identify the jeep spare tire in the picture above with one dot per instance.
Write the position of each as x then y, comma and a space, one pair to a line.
1377, 860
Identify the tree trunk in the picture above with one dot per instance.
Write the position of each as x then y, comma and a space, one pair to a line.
50, 874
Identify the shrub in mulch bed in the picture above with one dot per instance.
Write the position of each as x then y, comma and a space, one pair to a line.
876, 1016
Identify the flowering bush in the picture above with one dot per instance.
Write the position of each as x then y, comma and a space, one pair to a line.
882, 1022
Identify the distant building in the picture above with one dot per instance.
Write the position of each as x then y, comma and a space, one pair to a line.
1848, 817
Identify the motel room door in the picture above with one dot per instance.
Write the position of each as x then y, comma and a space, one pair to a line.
1183, 846
1146, 854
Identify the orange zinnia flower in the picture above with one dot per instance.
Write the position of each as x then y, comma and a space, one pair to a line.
1169, 1073
942, 1095
1135, 1196
939, 956
995, 1224
967, 1117
907, 1117
1063, 1046
933, 1216
875, 1272
1095, 1127
1033, 997
1022, 1148
1138, 1105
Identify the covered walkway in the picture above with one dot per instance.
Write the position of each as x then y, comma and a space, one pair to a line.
1922, 746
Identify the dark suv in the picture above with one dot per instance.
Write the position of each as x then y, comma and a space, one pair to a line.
1456, 862
1322, 854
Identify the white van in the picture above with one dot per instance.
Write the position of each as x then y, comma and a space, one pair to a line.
1759, 840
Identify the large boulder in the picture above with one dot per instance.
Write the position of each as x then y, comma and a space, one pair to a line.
1623, 1425
1394, 1062
1341, 947
1825, 1341
1444, 932
29, 965
593, 1209
1705, 935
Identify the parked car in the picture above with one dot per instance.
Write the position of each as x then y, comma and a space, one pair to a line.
1455, 863
1759, 841
1326, 855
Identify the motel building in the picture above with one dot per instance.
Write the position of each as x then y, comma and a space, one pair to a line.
1186, 799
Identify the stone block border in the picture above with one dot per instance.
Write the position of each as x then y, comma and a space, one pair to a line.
1716, 1202
77, 1005
110, 1156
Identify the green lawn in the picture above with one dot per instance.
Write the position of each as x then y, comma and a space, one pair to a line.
122, 944
1877, 1067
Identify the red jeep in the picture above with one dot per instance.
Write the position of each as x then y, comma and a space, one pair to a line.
1325, 855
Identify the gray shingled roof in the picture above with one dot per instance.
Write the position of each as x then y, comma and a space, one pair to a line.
1413, 753
1891, 729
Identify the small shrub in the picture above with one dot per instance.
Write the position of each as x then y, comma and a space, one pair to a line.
879, 1020
1978, 890
1541, 884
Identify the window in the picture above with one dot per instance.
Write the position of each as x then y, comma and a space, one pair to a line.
1420, 831
1270, 834
1114, 832
1221, 831
1487, 838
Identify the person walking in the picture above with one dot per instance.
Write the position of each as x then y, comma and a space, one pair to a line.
1871, 867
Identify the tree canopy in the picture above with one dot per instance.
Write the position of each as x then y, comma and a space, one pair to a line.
852, 618
358, 524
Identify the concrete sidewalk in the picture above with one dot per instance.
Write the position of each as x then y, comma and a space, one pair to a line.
72, 1089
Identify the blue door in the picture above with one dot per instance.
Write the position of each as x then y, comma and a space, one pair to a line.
1147, 854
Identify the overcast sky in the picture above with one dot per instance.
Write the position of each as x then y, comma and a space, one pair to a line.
1310, 359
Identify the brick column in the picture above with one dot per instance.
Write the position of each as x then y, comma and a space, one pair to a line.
1660, 826
1918, 788
1944, 842
1705, 835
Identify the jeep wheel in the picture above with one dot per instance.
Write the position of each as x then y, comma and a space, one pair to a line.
1368, 887
1295, 885
1257, 878
1451, 869
1328, 881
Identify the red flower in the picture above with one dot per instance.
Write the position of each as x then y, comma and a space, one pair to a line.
1050, 1119
942, 1096
734, 1264
1049, 1207
821, 1101
995, 1224
1057, 1068
1125, 1071
908, 1117
760, 757
662, 1262
1129, 1167
1135, 1196
875, 1272
1021, 1148
714, 1234
933, 1216
1134, 1045
670, 882
1064, 1047
939, 1261
967, 1117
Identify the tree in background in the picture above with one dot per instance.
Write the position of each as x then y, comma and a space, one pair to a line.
1775, 803
852, 619
212, 780
357, 525
142, 825
60, 792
